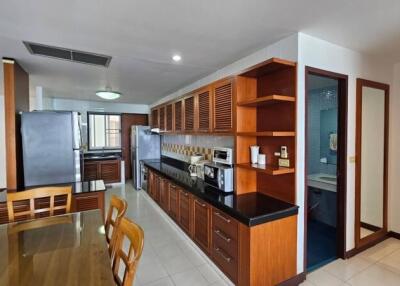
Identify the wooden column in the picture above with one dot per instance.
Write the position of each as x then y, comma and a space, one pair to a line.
16, 99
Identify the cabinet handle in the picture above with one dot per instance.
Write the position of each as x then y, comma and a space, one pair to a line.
185, 194
222, 217
224, 256
200, 203
222, 235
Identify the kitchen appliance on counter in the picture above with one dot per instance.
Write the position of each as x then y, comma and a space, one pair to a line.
219, 176
194, 159
51, 147
145, 144
222, 155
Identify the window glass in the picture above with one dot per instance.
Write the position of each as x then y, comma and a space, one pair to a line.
104, 131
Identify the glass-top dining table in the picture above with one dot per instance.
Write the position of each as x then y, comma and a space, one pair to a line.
68, 249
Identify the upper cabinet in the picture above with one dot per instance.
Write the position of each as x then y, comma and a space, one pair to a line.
154, 118
162, 118
204, 103
223, 106
178, 116
189, 114
169, 117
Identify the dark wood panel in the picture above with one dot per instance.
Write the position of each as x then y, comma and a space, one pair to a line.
154, 118
162, 118
223, 106
189, 121
164, 194
90, 171
204, 110
185, 214
202, 224
16, 99
110, 171
127, 120
169, 117
174, 202
178, 116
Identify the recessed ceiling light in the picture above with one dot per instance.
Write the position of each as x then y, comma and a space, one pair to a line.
108, 94
176, 58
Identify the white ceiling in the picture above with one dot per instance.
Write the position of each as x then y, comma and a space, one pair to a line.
141, 36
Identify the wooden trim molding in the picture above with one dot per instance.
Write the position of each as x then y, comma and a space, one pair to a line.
16, 99
368, 241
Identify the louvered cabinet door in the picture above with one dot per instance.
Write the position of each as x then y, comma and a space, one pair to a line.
189, 121
162, 118
223, 105
204, 110
154, 118
178, 116
169, 117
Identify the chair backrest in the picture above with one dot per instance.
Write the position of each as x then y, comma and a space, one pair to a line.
119, 205
39, 202
135, 235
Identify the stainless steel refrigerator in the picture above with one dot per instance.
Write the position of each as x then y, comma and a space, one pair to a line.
51, 144
144, 145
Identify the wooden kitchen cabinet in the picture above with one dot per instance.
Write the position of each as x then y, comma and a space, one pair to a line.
164, 194
178, 116
223, 106
87, 201
185, 211
107, 170
162, 113
190, 113
204, 109
173, 202
154, 118
169, 117
202, 224
156, 189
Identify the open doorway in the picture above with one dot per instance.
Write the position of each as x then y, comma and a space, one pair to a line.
325, 181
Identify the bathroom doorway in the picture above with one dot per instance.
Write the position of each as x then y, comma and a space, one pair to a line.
325, 176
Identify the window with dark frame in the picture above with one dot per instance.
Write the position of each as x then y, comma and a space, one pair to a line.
104, 131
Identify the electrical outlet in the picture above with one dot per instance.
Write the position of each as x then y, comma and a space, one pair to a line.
284, 163
352, 159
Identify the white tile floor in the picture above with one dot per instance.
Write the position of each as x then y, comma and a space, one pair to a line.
377, 266
171, 259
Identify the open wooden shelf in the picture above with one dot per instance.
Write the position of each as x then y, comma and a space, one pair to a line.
266, 100
268, 66
268, 134
268, 169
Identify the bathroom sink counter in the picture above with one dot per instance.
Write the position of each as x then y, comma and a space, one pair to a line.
250, 209
322, 181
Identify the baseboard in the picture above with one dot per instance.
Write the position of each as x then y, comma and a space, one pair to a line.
394, 234
295, 280
370, 226
356, 251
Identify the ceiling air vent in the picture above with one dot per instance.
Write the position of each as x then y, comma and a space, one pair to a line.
68, 54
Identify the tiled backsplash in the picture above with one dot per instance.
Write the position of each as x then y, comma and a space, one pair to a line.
181, 147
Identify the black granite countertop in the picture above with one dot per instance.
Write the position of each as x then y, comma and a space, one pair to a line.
77, 188
250, 209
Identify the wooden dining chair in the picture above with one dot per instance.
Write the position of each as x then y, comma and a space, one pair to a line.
134, 234
118, 206
39, 202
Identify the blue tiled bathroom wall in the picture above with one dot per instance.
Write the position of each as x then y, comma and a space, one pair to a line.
319, 99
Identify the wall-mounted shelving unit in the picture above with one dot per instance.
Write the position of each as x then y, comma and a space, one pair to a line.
266, 116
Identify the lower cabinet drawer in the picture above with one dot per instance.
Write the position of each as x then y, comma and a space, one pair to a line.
227, 263
224, 241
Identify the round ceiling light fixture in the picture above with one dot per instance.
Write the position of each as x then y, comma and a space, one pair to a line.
108, 94
176, 58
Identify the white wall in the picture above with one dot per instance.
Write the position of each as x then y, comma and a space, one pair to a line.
327, 56
3, 182
394, 152
285, 48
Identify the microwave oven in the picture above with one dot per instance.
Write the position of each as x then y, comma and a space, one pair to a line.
222, 155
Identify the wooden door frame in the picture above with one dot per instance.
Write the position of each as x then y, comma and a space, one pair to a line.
341, 162
378, 235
